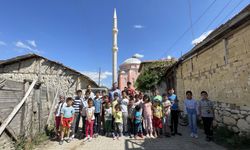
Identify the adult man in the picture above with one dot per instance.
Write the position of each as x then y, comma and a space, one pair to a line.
115, 90
92, 95
174, 112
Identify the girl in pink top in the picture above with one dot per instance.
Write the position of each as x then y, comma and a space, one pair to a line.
148, 116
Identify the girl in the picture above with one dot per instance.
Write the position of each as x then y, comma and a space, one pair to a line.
191, 109
90, 118
148, 116
108, 118
131, 112
138, 122
118, 122
166, 114
157, 115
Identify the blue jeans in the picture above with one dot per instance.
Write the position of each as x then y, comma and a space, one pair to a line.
192, 120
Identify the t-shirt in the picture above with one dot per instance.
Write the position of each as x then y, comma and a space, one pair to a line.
124, 105
97, 104
130, 92
190, 105
114, 103
131, 111
58, 108
173, 100
138, 117
166, 107
157, 111
118, 117
111, 94
147, 109
84, 106
89, 112
76, 103
108, 113
206, 108
68, 112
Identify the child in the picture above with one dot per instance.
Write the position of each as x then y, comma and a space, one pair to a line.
148, 116
67, 116
138, 122
90, 118
166, 115
118, 122
114, 103
105, 100
108, 118
59, 107
131, 112
191, 109
157, 115
124, 107
98, 108
206, 111
83, 110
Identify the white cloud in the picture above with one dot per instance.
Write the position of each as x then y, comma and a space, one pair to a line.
27, 46
95, 75
138, 55
32, 43
201, 38
138, 26
2, 43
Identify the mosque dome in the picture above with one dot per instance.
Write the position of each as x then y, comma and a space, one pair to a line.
132, 60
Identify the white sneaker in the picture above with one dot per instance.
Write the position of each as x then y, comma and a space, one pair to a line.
90, 139
85, 139
192, 135
196, 136
147, 136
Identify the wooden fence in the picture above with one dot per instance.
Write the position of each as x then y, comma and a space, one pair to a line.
32, 117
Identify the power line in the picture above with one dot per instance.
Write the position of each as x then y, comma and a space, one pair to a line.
182, 35
190, 18
232, 10
217, 15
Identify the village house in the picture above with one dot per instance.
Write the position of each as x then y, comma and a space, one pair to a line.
36, 115
220, 65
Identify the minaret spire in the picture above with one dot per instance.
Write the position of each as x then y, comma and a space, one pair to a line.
115, 48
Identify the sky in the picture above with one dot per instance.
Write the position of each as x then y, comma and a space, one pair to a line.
78, 33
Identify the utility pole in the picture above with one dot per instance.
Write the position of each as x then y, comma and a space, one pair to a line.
99, 80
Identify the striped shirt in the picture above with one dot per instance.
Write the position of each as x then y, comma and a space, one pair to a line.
77, 103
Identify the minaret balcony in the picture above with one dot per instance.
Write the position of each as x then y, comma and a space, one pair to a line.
115, 30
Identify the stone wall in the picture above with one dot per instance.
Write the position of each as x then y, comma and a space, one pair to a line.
52, 75
236, 118
223, 70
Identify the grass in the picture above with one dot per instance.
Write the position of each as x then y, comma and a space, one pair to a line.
230, 140
29, 143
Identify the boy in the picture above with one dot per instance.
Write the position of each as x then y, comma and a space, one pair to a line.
98, 108
206, 110
138, 122
77, 106
67, 116
191, 109
174, 112
114, 103
59, 107
124, 107
107, 118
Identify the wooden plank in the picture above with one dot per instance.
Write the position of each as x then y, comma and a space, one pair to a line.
16, 109
9, 131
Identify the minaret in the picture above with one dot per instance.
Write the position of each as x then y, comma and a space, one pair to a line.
115, 48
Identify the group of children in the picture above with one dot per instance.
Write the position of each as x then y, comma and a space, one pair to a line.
129, 114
